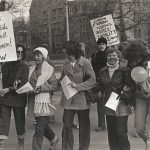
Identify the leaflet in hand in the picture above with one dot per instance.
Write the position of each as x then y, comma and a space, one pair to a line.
25, 88
113, 101
67, 89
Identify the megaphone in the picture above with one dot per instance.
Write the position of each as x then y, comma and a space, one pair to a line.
139, 74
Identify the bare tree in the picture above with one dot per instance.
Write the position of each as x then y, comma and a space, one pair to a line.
129, 14
15, 6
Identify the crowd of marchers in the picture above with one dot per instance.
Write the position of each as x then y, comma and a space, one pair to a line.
109, 71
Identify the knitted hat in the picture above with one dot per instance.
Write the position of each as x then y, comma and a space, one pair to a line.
101, 40
43, 50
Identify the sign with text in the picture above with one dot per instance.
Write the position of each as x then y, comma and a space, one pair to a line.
104, 27
7, 41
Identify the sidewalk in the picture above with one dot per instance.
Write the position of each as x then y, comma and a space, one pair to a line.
98, 139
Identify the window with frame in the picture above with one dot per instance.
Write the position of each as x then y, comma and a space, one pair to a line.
137, 33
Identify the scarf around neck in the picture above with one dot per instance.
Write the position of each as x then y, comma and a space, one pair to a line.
42, 99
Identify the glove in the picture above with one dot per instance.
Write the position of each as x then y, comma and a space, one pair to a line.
124, 98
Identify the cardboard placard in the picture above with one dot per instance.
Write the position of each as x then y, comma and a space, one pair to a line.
104, 27
7, 41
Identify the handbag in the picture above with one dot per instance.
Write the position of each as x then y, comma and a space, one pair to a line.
91, 96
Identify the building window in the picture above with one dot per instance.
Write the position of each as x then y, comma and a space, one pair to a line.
137, 5
136, 17
84, 27
137, 33
54, 12
80, 7
60, 11
70, 10
44, 12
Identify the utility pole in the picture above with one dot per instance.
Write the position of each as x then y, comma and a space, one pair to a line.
67, 21
2, 5
123, 36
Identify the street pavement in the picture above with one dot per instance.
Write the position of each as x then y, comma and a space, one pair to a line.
98, 139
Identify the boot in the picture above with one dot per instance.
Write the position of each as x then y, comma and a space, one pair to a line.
53, 143
20, 143
3, 144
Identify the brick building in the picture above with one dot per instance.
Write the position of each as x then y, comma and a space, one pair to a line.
48, 21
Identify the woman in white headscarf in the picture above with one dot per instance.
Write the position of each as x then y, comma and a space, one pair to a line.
42, 78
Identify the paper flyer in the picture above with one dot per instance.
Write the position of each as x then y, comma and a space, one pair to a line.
67, 89
25, 88
113, 101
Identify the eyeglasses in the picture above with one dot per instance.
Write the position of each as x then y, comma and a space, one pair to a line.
20, 52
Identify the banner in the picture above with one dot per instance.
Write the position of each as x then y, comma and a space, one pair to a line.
104, 27
7, 41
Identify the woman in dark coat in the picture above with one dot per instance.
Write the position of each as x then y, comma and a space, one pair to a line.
14, 75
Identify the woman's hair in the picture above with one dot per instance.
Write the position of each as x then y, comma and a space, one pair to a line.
21, 45
73, 49
135, 53
145, 60
112, 50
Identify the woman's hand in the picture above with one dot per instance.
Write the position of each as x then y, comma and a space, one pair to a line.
15, 85
4, 91
38, 90
74, 85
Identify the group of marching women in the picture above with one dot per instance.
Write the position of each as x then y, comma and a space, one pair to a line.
114, 76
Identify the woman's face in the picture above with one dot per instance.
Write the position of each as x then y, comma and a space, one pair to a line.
19, 53
38, 57
112, 58
69, 57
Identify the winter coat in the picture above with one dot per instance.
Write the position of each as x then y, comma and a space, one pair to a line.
98, 60
12, 71
77, 75
120, 78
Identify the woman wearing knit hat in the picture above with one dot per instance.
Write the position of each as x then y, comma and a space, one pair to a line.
42, 78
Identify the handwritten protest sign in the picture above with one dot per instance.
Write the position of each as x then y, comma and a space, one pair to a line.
7, 42
104, 27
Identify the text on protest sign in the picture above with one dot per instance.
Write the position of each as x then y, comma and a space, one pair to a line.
7, 42
104, 27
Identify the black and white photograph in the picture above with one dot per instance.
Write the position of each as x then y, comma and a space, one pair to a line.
74, 74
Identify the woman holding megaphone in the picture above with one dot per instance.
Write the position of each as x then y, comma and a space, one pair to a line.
141, 76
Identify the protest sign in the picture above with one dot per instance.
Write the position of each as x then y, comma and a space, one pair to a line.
104, 27
7, 41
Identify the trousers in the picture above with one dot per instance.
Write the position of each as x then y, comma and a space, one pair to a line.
100, 113
117, 132
84, 129
42, 129
5, 117
142, 110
